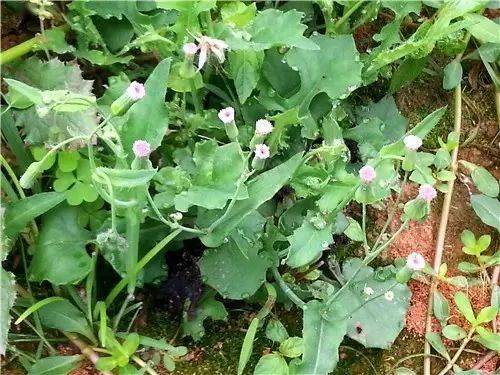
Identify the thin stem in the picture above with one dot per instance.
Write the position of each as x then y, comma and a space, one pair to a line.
144, 365
458, 353
141, 264
13, 177
445, 212
347, 14
286, 289
86, 350
118, 317
132, 251
194, 96
363, 223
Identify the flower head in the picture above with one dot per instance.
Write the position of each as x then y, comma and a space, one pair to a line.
262, 151
389, 295
367, 174
427, 192
412, 142
141, 149
415, 261
263, 127
368, 291
190, 49
226, 115
209, 45
136, 91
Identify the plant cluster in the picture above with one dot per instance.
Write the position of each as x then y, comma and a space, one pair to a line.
245, 126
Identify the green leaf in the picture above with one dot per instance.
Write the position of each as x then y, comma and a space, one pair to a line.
292, 347
325, 70
322, 339
463, 304
260, 189
435, 340
247, 347
238, 13
21, 92
207, 307
454, 332
452, 75
467, 267
67, 161
18, 214
354, 231
127, 178
373, 319
487, 208
276, 331
485, 182
8, 297
488, 339
221, 268
468, 238
404, 371
483, 28
441, 307
244, 67
271, 364
148, 118
60, 255
308, 242
56, 365
487, 314
64, 316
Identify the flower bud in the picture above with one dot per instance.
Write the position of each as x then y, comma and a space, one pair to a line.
135, 91
28, 178
427, 192
262, 152
367, 174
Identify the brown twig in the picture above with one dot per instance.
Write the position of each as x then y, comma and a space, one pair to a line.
438, 256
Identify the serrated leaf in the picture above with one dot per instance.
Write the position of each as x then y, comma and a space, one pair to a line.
60, 255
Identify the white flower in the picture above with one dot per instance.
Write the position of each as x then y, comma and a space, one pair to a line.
176, 216
141, 148
190, 49
389, 295
208, 45
136, 91
412, 142
262, 151
427, 192
226, 115
263, 127
368, 291
415, 261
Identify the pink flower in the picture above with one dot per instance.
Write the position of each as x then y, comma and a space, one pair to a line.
263, 127
141, 149
190, 49
415, 261
262, 151
412, 142
226, 115
136, 91
367, 174
209, 45
427, 192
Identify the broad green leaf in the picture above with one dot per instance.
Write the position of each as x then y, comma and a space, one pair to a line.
485, 182
421, 130
247, 347
260, 189
322, 339
488, 339
276, 331
487, 208
127, 178
334, 69
435, 340
18, 214
468, 238
463, 304
467, 267
64, 316
221, 268
60, 255
207, 307
238, 13
292, 347
454, 332
483, 28
487, 314
373, 306
354, 231
56, 365
441, 307
278, 139
271, 364
148, 118
21, 92
8, 297
244, 67
308, 242
452, 75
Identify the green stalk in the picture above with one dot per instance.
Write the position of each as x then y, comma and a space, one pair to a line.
286, 289
132, 233
194, 97
347, 14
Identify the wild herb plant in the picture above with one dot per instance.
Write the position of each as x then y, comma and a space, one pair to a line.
248, 134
